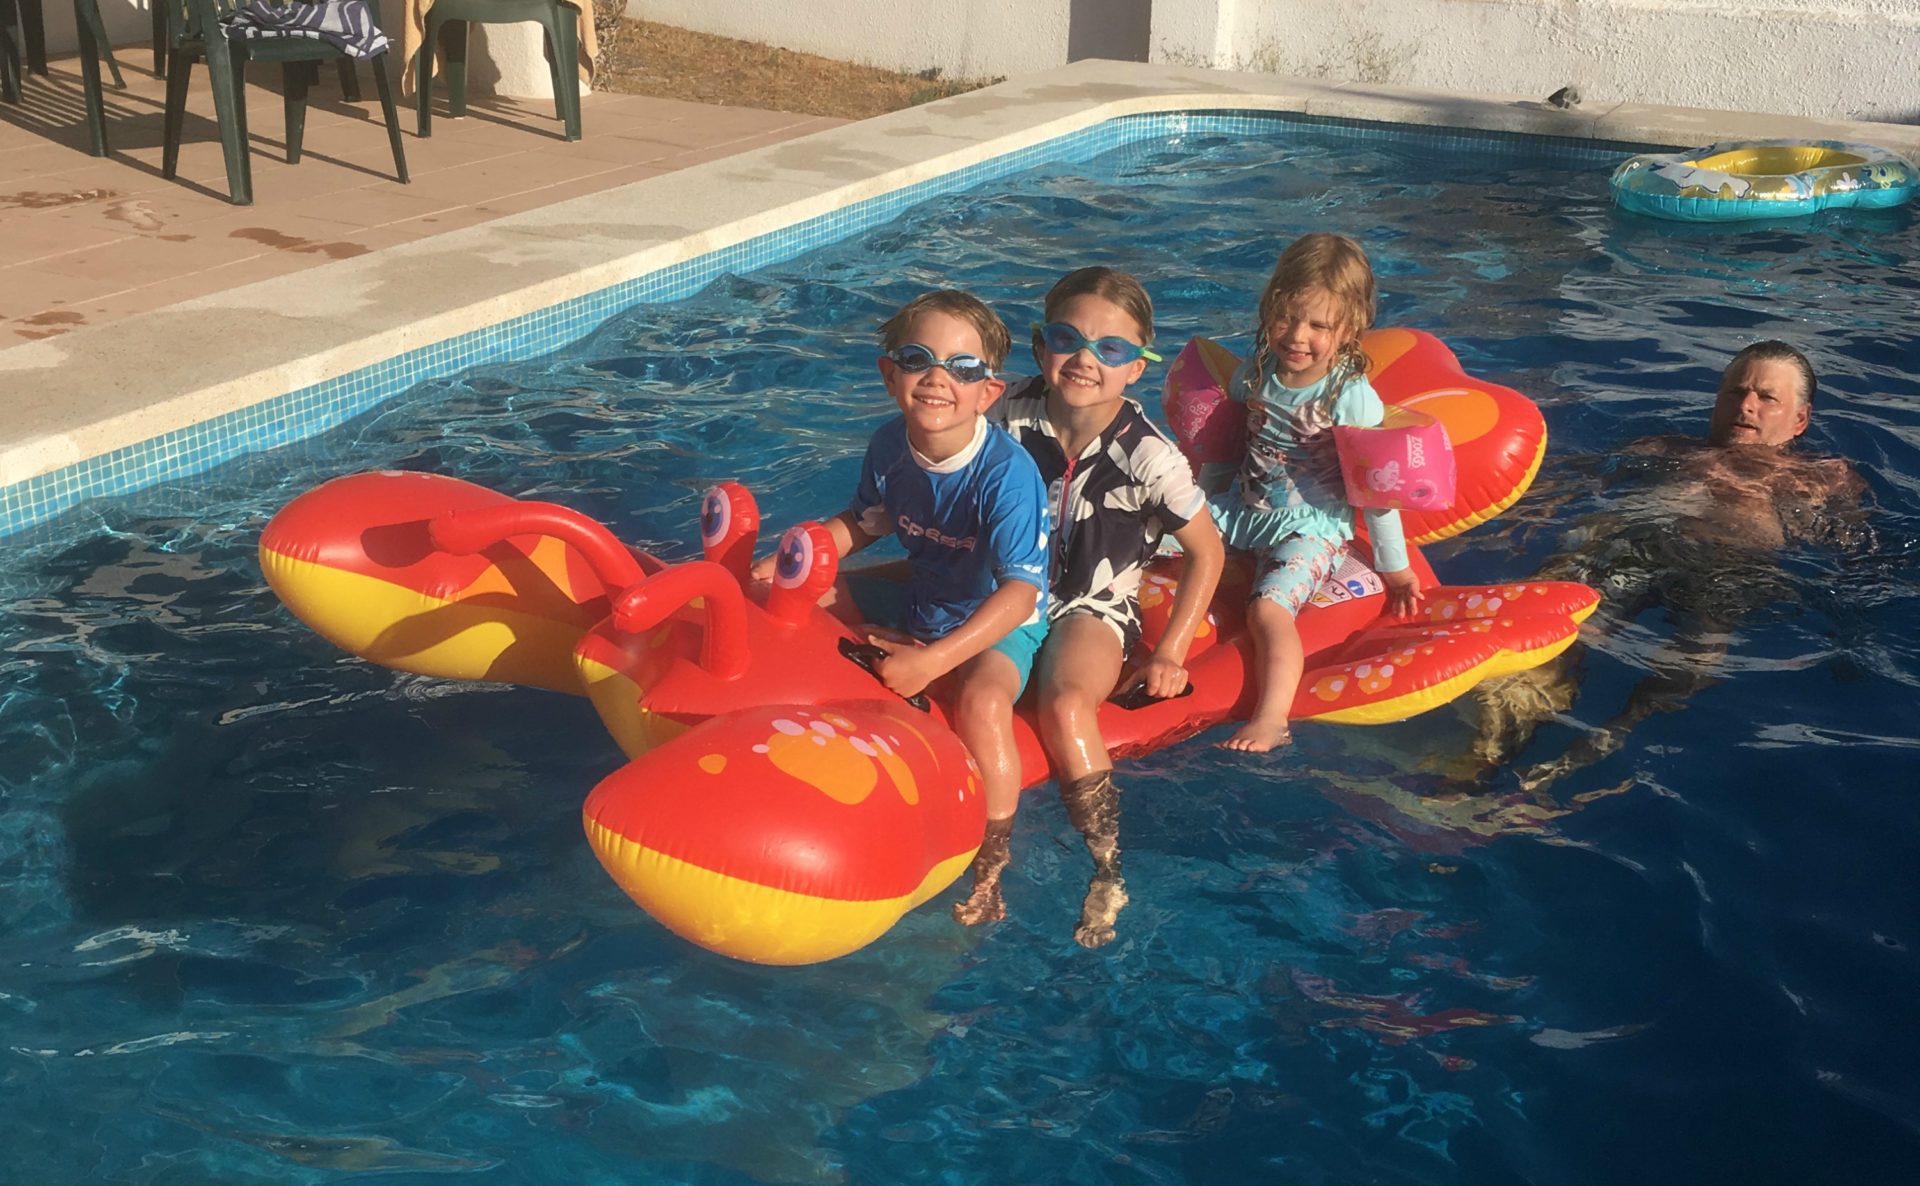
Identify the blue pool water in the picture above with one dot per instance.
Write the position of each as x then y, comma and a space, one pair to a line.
269, 914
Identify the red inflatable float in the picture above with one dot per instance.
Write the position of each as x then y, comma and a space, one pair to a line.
779, 805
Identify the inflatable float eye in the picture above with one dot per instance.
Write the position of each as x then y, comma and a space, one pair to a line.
794, 561
803, 570
716, 517
729, 524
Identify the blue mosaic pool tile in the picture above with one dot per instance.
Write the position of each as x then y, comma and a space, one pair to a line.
314, 409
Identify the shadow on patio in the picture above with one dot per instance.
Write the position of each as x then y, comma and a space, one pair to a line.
85, 240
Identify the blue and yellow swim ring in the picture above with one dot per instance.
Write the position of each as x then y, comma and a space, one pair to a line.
1763, 179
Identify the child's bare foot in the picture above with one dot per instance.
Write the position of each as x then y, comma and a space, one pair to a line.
1093, 807
1257, 737
1106, 898
985, 903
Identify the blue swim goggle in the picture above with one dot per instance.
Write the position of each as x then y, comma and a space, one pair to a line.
1060, 338
965, 368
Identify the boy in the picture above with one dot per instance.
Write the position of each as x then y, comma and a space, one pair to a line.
968, 505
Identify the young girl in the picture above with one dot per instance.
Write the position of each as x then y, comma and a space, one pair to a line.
1306, 374
1115, 484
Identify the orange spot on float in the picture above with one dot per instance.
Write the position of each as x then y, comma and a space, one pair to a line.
1386, 347
1329, 687
824, 758
1372, 679
1468, 412
901, 774
713, 763
1482, 605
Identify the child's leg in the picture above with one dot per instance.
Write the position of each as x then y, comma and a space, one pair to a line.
985, 688
1279, 660
1078, 671
1079, 667
1288, 579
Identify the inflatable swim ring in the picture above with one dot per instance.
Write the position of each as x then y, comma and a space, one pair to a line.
1763, 179
778, 804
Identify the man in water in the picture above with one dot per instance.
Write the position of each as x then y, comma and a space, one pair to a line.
1697, 533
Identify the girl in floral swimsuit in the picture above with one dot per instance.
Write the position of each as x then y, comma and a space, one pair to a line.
1307, 374
1115, 484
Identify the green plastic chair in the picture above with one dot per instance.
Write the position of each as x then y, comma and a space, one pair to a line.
561, 23
20, 33
13, 41
23, 45
195, 31
349, 81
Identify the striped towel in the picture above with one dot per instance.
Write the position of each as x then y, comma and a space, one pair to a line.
344, 24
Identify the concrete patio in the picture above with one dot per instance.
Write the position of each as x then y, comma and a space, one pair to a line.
86, 240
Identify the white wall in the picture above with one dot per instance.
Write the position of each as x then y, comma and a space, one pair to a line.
129, 27
1854, 59
962, 38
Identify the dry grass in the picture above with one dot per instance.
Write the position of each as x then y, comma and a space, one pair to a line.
643, 58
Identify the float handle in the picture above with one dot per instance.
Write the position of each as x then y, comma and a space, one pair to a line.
724, 652
468, 531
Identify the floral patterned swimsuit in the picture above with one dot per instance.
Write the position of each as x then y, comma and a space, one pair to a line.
1290, 505
1110, 506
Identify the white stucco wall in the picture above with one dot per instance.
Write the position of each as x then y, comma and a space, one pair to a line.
1853, 59
961, 38
129, 27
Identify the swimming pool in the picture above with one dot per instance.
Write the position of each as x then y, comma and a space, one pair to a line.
269, 914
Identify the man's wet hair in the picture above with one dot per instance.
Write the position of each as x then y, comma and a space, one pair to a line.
1773, 350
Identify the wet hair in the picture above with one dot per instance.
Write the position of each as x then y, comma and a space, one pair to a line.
1109, 284
994, 339
1772, 350
1337, 264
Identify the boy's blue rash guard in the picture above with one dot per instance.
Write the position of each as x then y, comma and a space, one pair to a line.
969, 523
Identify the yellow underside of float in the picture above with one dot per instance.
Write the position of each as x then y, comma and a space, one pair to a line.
1777, 160
1386, 712
407, 630
750, 921
617, 699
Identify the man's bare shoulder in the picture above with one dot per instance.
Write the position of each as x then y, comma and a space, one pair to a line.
1830, 480
1837, 472
1663, 446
